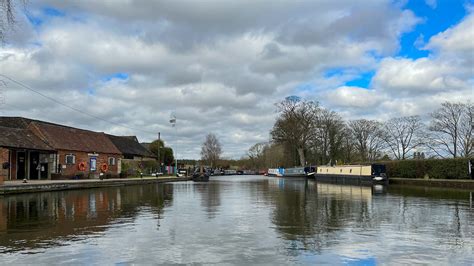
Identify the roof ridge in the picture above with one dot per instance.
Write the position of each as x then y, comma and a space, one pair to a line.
30, 120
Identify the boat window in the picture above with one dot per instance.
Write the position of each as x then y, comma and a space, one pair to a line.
340, 170
350, 171
326, 170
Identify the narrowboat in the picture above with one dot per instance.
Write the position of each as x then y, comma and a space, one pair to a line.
307, 171
275, 172
374, 173
201, 174
230, 172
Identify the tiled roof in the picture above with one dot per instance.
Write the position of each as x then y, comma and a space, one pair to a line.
14, 122
61, 137
146, 145
21, 139
68, 138
129, 145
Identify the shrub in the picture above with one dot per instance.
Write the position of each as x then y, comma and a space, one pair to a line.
434, 168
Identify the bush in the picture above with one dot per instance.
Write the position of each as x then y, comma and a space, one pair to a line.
434, 168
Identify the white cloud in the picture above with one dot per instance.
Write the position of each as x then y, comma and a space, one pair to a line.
403, 76
431, 3
456, 43
354, 97
221, 65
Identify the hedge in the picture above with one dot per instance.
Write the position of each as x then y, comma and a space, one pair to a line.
432, 168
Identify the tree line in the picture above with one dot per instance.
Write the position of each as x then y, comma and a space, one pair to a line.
306, 133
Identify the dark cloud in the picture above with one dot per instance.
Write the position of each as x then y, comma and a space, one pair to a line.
219, 65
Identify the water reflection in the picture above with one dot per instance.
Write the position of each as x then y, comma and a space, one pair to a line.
317, 216
307, 212
210, 197
41, 220
240, 220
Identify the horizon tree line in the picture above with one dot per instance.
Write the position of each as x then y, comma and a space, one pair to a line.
306, 133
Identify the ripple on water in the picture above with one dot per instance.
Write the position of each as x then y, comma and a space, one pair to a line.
238, 220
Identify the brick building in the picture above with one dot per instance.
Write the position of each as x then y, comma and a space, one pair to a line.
71, 152
24, 155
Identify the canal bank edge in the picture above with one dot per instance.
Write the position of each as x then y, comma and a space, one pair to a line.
444, 183
63, 185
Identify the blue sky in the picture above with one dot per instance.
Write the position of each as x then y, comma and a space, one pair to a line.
435, 19
134, 64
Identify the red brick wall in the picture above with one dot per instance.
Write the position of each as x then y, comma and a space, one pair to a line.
3, 159
13, 165
71, 170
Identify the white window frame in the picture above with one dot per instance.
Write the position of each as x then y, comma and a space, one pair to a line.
73, 159
114, 161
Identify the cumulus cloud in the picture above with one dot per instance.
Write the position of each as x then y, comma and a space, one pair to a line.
403, 76
449, 68
418, 86
354, 97
220, 66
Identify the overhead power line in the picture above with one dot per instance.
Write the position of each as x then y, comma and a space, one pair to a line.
71, 107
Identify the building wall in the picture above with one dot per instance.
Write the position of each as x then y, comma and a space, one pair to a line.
4, 158
71, 170
13, 160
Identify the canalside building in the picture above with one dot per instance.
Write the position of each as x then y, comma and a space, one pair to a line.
134, 155
33, 149
23, 154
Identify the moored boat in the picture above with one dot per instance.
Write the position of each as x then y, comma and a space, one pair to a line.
201, 174
275, 171
230, 172
374, 173
307, 171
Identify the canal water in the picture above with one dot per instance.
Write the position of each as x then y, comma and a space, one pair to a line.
239, 220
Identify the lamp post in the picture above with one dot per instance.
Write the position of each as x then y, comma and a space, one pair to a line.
173, 124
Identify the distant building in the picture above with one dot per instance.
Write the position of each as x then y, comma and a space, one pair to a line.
130, 148
136, 158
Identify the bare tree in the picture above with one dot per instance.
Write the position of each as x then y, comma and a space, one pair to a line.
348, 145
211, 150
274, 155
402, 135
467, 131
368, 138
7, 16
256, 154
329, 136
296, 125
451, 130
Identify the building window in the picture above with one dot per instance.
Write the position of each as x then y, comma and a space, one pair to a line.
70, 159
111, 160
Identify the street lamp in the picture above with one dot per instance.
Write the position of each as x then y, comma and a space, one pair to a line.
173, 124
